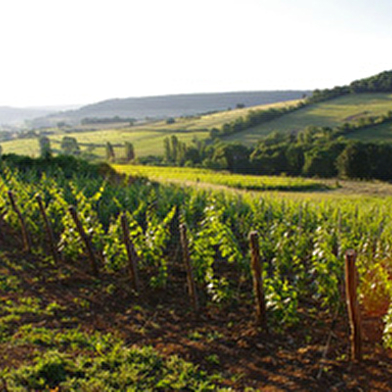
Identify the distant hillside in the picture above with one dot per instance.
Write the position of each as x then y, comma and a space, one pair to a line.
17, 116
13, 116
146, 137
360, 101
168, 106
349, 108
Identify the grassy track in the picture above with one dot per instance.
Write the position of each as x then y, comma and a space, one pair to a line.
222, 178
283, 187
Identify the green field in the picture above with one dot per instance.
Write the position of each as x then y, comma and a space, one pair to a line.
329, 113
145, 140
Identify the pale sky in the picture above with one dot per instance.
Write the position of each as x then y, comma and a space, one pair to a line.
56, 52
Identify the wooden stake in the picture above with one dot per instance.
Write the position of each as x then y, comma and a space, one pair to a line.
188, 267
25, 234
86, 240
352, 305
49, 231
261, 316
132, 257
175, 235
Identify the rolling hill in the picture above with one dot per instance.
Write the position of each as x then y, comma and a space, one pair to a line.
12, 116
17, 116
146, 138
168, 106
330, 113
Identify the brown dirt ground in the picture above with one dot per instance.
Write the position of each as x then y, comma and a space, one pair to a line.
313, 356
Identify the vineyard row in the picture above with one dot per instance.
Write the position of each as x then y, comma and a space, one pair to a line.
213, 243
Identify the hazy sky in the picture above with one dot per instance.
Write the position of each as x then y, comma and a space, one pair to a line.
82, 51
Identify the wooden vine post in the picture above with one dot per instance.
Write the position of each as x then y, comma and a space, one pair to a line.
261, 315
352, 305
49, 231
25, 234
131, 253
85, 239
188, 267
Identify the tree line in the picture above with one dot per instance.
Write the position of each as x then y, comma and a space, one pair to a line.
380, 83
70, 146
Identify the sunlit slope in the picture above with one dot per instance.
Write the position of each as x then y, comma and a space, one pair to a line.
194, 176
329, 113
146, 141
146, 138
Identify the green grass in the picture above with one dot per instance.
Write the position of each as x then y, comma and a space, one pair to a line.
105, 365
330, 113
238, 181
